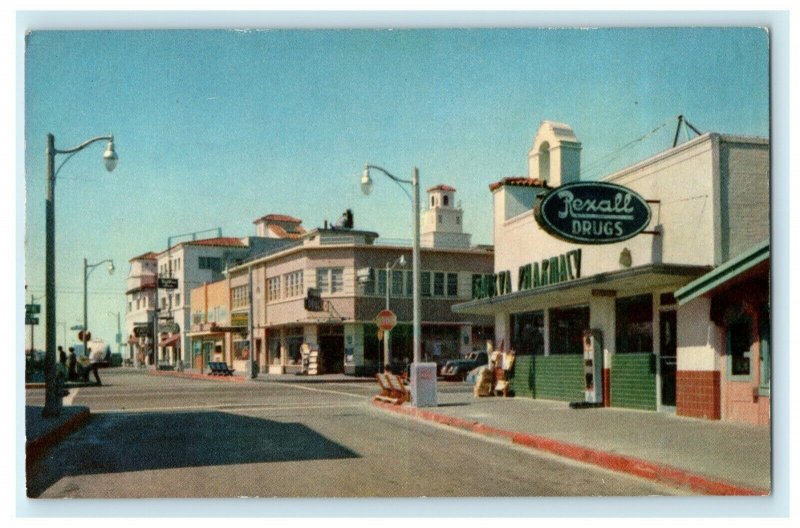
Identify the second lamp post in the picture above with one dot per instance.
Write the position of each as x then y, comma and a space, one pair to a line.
87, 270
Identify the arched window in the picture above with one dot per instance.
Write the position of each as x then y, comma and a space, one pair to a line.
446, 200
544, 161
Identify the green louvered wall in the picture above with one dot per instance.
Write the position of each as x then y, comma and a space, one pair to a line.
633, 381
549, 377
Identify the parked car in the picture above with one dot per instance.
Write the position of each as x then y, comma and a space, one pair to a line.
457, 369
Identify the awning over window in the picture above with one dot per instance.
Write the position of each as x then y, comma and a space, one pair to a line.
170, 341
653, 276
724, 274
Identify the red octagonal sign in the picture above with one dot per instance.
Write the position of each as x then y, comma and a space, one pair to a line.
386, 320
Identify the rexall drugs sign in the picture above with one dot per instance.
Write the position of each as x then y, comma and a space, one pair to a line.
592, 212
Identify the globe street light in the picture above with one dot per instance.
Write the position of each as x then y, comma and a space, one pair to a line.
52, 403
87, 270
422, 382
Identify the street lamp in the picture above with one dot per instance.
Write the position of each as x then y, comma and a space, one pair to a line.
423, 383
401, 261
52, 402
118, 337
87, 270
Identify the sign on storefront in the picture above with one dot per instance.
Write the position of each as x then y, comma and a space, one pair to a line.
313, 301
167, 283
592, 212
240, 319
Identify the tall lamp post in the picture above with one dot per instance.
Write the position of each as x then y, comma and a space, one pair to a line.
118, 337
52, 403
87, 270
401, 261
423, 376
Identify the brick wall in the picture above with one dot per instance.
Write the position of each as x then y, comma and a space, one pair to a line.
698, 394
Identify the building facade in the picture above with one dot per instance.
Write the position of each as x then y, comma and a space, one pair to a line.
708, 201
141, 297
347, 270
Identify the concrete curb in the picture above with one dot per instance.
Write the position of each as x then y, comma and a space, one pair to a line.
190, 375
661, 473
36, 447
298, 379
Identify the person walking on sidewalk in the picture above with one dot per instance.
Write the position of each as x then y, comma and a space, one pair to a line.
95, 358
72, 365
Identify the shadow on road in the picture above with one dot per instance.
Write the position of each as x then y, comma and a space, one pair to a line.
125, 442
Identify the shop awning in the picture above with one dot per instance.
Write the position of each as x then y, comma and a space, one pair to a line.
728, 272
578, 291
170, 341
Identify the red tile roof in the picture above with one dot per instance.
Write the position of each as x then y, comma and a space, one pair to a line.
442, 187
219, 241
278, 218
519, 181
150, 255
282, 233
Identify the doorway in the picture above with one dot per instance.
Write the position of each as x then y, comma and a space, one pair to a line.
668, 360
331, 346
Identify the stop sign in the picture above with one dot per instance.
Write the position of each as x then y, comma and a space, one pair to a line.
386, 320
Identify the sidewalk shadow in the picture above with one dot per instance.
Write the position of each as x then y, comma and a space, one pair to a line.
125, 442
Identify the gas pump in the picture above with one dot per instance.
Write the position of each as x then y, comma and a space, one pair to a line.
593, 366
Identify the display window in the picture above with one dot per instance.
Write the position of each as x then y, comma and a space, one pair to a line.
566, 329
527, 333
634, 330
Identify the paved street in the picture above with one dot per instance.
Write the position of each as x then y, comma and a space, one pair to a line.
153, 436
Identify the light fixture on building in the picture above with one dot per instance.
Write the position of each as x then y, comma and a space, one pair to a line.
625, 258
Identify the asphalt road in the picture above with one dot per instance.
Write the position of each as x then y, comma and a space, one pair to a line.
154, 436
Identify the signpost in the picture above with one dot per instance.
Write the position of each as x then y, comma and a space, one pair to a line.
386, 320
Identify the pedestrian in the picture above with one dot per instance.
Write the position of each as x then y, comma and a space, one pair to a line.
72, 365
95, 358
62, 356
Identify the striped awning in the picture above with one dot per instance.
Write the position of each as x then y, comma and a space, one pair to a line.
170, 341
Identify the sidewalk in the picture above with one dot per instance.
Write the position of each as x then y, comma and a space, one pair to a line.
283, 378
42, 433
708, 456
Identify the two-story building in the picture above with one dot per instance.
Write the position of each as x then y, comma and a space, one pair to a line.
695, 352
347, 270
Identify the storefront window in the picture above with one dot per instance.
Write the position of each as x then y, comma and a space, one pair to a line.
241, 349
739, 341
527, 333
566, 329
294, 339
766, 364
635, 324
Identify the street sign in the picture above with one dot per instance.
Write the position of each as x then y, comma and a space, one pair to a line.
171, 328
33, 308
362, 274
88, 336
167, 283
29, 320
386, 320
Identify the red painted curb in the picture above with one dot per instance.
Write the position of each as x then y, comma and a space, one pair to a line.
661, 473
35, 448
187, 375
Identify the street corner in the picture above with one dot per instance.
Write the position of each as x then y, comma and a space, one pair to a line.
42, 433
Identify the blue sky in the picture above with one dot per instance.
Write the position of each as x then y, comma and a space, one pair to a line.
217, 128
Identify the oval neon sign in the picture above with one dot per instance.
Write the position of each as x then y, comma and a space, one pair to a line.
592, 213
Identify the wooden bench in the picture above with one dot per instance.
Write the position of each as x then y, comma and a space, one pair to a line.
220, 368
392, 389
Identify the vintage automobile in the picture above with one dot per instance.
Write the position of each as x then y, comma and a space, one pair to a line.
457, 369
